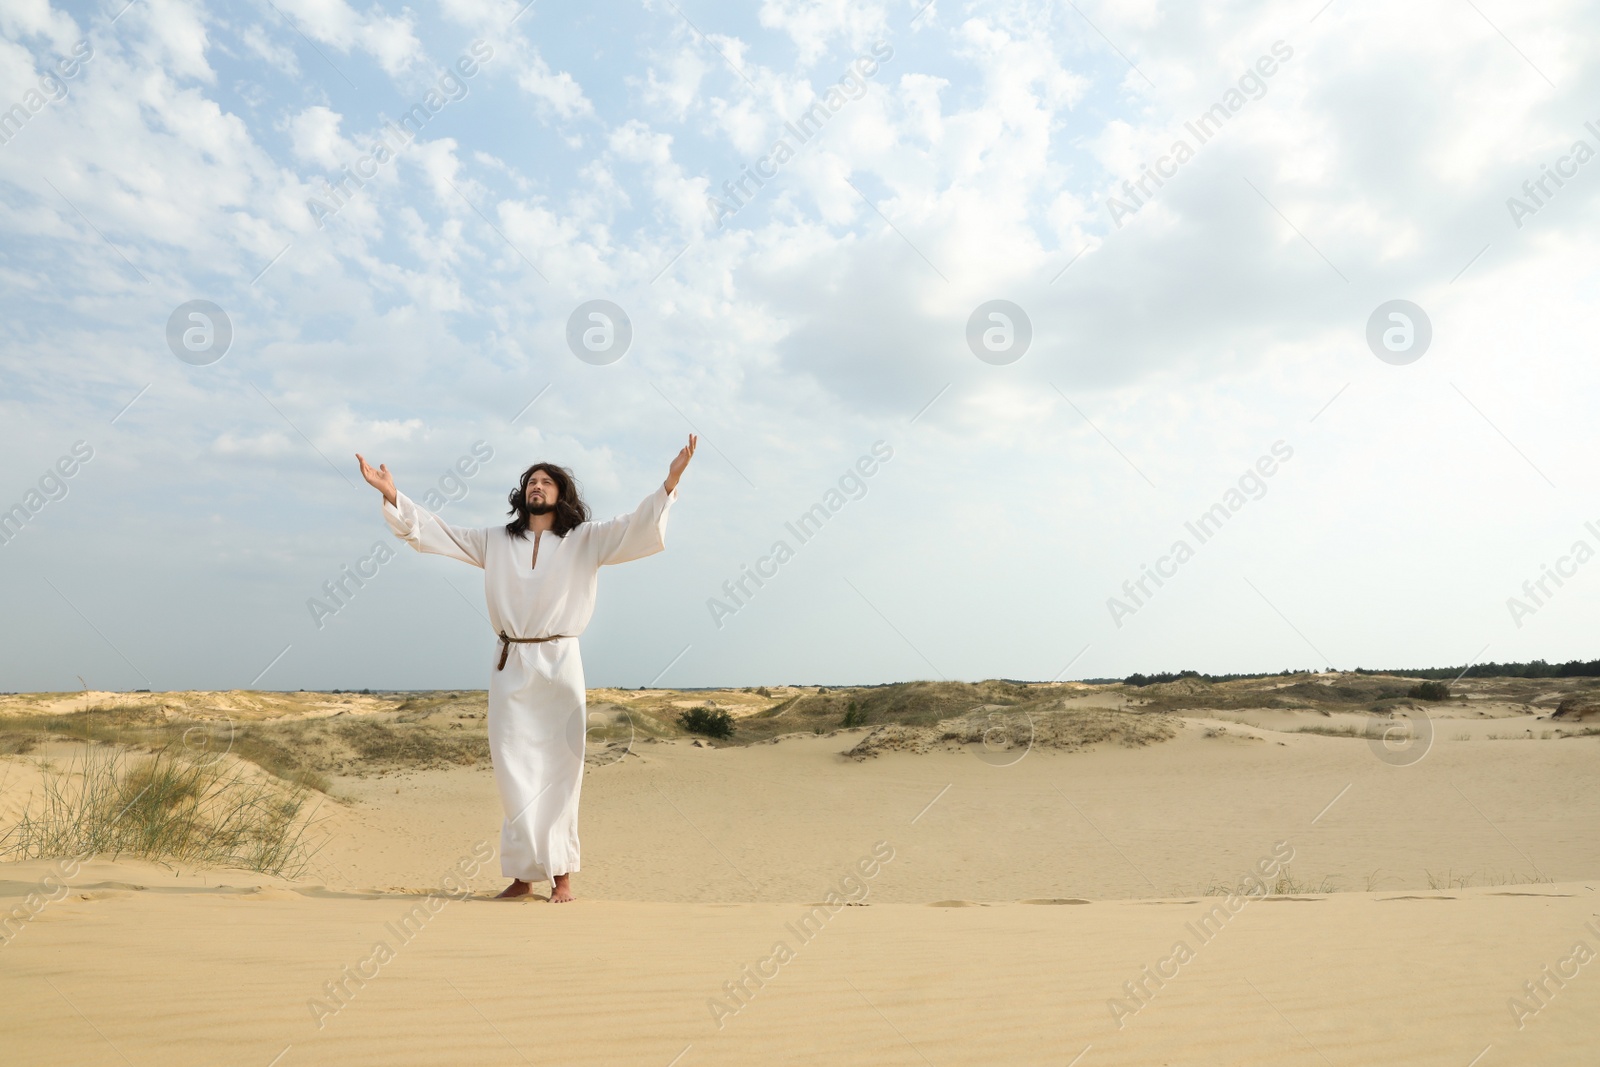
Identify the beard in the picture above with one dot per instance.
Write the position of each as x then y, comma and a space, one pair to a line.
540, 509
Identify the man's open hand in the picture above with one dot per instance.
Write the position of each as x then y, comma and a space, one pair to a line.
679, 462
379, 479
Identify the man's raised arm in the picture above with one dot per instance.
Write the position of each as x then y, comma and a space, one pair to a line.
421, 528
630, 537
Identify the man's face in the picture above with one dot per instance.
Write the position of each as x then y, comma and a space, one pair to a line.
541, 493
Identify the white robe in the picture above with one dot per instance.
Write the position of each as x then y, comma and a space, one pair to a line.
537, 715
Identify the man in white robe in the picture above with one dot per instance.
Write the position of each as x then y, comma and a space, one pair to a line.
539, 578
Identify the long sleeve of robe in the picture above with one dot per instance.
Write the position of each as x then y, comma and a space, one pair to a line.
538, 586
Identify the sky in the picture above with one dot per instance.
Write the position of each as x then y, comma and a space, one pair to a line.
1095, 337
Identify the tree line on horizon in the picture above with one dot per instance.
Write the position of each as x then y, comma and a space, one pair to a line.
1538, 668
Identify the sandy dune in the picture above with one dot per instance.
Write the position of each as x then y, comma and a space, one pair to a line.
186, 974
765, 823
1005, 909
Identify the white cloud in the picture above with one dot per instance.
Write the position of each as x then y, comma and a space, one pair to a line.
175, 39
676, 93
816, 26
261, 41
36, 18
681, 197
389, 39
556, 89
315, 138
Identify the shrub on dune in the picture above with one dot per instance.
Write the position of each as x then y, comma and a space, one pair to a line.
708, 722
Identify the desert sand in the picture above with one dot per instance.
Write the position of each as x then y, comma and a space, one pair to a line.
1025, 905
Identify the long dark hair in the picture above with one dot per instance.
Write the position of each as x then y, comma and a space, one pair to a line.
570, 508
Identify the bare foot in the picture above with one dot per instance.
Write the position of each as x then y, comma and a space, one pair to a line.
561, 890
518, 888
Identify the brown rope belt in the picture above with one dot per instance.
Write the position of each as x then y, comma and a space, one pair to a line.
506, 642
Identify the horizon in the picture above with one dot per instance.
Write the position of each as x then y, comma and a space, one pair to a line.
1414, 672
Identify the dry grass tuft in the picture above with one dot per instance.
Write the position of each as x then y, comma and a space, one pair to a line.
1347, 730
163, 806
1015, 730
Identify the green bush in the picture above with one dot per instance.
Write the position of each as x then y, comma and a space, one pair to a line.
854, 716
1429, 691
708, 722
